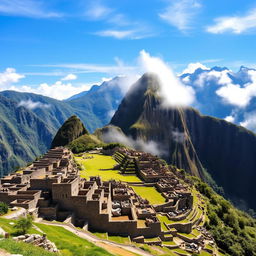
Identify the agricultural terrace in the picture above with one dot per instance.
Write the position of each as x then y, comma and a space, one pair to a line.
101, 165
149, 193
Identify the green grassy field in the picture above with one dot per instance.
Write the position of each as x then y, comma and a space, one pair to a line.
119, 239
23, 249
93, 166
149, 193
69, 244
7, 227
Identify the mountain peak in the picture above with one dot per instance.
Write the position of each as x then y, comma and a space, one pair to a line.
69, 131
219, 69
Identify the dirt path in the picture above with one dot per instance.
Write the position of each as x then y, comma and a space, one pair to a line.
15, 214
120, 249
4, 253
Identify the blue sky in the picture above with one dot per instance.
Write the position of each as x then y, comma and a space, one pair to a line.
45, 41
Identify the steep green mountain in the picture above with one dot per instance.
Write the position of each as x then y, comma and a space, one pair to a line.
69, 131
23, 136
192, 140
52, 112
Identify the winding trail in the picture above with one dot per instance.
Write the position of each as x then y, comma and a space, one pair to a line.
108, 245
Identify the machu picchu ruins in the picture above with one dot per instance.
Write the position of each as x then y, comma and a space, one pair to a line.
52, 188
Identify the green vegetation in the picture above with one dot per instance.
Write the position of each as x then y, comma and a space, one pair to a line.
69, 244
103, 166
149, 193
24, 249
84, 143
101, 235
156, 250
112, 146
69, 131
3, 208
8, 226
120, 239
23, 225
234, 231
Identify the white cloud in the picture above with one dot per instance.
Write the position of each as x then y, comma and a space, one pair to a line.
69, 77
230, 119
57, 90
192, 67
26, 8
33, 104
173, 92
124, 34
180, 13
8, 77
113, 135
220, 77
98, 11
234, 24
249, 121
178, 136
238, 95
119, 34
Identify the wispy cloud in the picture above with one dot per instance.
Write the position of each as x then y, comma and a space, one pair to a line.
180, 13
124, 34
26, 8
118, 69
30, 104
69, 77
97, 11
234, 24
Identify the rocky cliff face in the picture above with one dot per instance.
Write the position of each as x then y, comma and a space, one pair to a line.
191, 141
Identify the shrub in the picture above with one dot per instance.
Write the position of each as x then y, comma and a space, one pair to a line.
3, 208
112, 145
23, 225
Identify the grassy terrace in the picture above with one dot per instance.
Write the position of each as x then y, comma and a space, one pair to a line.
24, 249
94, 166
149, 193
5, 224
69, 244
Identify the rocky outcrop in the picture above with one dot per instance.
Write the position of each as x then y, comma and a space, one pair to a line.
38, 240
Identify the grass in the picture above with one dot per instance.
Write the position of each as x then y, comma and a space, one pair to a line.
149, 193
100, 235
204, 253
7, 227
120, 239
156, 250
69, 244
22, 248
165, 219
169, 243
93, 166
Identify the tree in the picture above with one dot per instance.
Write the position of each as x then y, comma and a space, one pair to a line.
3, 208
23, 225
